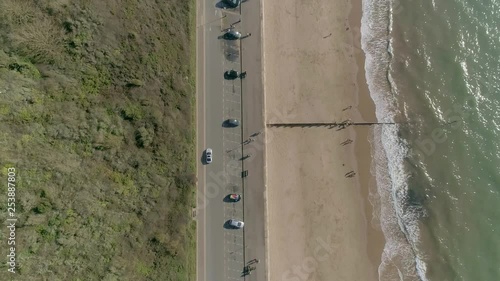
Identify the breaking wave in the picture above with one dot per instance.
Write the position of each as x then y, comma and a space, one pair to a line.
398, 217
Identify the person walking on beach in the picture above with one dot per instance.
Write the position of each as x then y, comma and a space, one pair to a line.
350, 174
348, 141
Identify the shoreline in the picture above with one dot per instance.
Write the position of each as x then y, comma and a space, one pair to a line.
363, 148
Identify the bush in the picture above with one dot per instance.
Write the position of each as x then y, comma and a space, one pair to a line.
135, 83
144, 137
43, 207
40, 41
132, 112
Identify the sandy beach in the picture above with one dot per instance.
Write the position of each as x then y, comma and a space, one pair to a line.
318, 218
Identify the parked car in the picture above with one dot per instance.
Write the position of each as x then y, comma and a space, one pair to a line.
234, 197
208, 155
231, 74
236, 224
232, 123
231, 35
231, 3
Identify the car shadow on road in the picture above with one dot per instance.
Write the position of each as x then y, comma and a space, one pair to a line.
231, 50
203, 158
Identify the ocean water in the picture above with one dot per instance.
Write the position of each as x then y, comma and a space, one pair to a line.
434, 68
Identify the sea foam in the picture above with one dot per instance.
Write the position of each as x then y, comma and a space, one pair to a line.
401, 259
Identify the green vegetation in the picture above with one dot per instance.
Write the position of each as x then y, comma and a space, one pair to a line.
97, 117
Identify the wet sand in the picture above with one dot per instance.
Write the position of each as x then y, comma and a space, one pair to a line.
318, 224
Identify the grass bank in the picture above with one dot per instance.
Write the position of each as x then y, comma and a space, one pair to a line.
97, 117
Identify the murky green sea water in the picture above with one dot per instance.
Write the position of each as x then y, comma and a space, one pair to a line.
434, 66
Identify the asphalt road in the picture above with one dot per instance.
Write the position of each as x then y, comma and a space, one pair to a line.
223, 252
220, 249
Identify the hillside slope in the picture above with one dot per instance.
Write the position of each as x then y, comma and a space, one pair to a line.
96, 116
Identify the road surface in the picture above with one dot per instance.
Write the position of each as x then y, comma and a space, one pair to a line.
222, 252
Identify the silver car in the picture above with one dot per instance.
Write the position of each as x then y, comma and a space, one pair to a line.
208, 155
236, 224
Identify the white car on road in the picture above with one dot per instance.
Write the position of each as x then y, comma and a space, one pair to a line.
208, 155
236, 223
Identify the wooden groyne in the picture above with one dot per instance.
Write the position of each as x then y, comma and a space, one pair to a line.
329, 124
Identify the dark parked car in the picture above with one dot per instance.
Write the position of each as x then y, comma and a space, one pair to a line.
232, 123
231, 3
231, 74
231, 35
